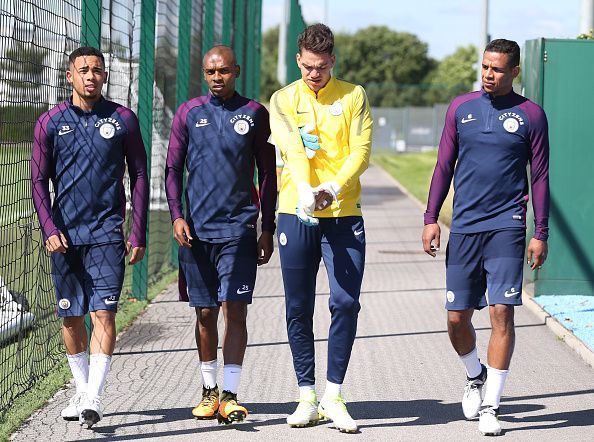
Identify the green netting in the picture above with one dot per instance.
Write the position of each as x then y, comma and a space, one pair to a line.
295, 26
34, 40
142, 41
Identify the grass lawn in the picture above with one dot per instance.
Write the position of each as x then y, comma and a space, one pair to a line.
414, 171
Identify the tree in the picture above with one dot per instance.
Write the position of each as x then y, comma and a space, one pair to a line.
454, 75
390, 65
268, 80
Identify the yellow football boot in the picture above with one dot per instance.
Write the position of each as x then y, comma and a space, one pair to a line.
229, 410
209, 405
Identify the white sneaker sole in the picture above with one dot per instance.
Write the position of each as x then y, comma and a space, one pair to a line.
311, 423
490, 433
326, 418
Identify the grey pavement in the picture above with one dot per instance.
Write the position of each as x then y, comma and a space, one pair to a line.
404, 381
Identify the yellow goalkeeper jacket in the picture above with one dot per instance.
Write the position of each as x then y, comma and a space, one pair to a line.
342, 119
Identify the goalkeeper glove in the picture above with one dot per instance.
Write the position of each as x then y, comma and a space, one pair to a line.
306, 205
311, 142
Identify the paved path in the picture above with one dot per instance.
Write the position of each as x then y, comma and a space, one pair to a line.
404, 381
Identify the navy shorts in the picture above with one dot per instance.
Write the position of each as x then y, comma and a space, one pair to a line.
484, 268
219, 272
88, 278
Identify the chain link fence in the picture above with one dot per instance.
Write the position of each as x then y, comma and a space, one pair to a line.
153, 51
408, 129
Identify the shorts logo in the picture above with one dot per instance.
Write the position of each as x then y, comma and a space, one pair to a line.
111, 300
511, 292
358, 232
282, 239
64, 304
451, 296
244, 289
336, 108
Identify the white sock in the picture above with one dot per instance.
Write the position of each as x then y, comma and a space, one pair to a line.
209, 373
232, 373
305, 391
79, 366
98, 369
332, 390
494, 388
472, 364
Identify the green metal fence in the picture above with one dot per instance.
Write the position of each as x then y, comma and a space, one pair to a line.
153, 51
557, 74
290, 28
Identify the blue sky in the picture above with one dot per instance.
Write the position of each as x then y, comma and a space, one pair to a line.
443, 24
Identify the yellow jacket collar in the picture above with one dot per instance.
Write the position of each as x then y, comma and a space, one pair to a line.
325, 90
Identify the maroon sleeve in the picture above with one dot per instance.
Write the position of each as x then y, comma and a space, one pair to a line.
42, 169
447, 155
176, 159
139, 180
266, 162
539, 169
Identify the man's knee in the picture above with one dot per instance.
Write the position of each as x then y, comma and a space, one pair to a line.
207, 316
502, 317
236, 312
459, 320
346, 305
73, 322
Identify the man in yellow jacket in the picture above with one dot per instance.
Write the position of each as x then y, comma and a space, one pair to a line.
322, 127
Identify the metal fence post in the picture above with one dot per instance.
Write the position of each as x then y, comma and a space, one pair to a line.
90, 33
182, 79
145, 117
208, 30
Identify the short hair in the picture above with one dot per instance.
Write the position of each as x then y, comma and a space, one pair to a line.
509, 47
221, 49
86, 51
316, 38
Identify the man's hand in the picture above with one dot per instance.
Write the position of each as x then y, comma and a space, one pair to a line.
431, 238
325, 194
306, 205
265, 247
137, 253
537, 253
56, 243
311, 142
181, 232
